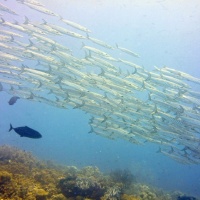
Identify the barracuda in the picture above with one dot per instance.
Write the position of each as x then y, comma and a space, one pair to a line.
6, 9
125, 100
75, 25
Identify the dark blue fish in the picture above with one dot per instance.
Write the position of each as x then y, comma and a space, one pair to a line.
25, 131
13, 100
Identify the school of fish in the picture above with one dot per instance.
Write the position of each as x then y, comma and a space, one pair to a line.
124, 99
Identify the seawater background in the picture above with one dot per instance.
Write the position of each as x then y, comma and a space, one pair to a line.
163, 33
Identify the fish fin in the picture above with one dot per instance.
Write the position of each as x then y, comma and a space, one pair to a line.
82, 45
10, 127
57, 99
149, 77
102, 72
31, 96
50, 91
92, 130
143, 85
104, 119
1, 89
12, 38
155, 110
26, 21
171, 150
135, 70
157, 69
2, 20
149, 96
154, 130
11, 88
86, 55
16, 22
38, 63
30, 43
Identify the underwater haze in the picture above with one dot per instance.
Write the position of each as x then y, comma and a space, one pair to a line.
163, 33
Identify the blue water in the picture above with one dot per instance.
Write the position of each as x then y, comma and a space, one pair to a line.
163, 33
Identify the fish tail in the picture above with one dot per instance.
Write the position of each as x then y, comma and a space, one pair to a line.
26, 21
61, 18
44, 22
30, 43
1, 89
10, 127
2, 20
159, 150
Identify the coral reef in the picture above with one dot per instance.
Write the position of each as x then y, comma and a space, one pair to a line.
184, 197
129, 197
73, 186
112, 193
23, 177
144, 192
125, 177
